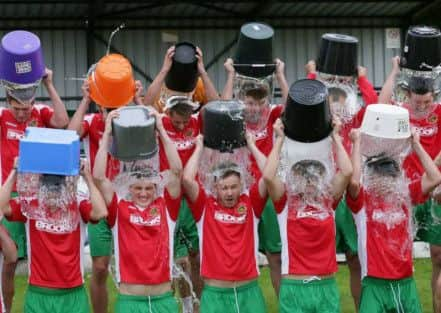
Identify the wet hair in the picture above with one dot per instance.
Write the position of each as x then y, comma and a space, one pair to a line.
225, 170
421, 85
335, 94
182, 108
383, 165
52, 182
255, 90
308, 168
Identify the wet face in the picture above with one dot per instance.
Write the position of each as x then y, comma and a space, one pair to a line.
142, 192
20, 111
254, 109
228, 190
421, 105
179, 121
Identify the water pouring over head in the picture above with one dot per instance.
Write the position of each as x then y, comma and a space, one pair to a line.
228, 184
308, 176
421, 97
180, 109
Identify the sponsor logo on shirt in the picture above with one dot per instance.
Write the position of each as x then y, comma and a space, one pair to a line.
11, 124
261, 134
184, 144
58, 228
321, 215
427, 131
390, 219
228, 218
14, 134
140, 221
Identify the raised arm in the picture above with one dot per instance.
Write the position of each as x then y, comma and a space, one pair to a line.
189, 182
59, 119
366, 88
432, 176
274, 185
210, 91
76, 123
174, 183
99, 171
281, 79
388, 87
99, 207
354, 183
9, 249
227, 93
341, 178
155, 87
260, 160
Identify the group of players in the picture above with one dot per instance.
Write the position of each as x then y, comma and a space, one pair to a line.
216, 236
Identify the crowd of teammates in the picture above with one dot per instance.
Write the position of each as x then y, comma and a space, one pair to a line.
214, 236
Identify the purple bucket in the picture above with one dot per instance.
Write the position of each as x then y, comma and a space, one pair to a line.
21, 58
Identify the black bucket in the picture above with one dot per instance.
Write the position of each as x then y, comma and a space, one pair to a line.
223, 125
183, 74
307, 117
254, 52
338, 55
422, 48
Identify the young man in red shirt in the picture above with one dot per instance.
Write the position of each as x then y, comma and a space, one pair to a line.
183, 128
260, 116
227, 226
383, 214
305, 214
143, 229
346, 232
425, 117
21, 112
90, 128
56, 281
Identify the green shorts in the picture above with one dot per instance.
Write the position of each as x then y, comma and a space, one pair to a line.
303, 296
385, 295
269, 234
164, 303
186, 233
345, 229
38, 299
427, 218
100, 238
244, 299
17, 232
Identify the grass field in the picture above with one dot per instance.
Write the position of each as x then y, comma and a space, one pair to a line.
422, 276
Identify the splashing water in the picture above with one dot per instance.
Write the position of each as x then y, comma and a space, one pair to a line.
178, 273
372, 146
342, 97
51, 199
214, 160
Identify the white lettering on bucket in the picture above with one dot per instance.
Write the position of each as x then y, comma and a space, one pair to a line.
23, 67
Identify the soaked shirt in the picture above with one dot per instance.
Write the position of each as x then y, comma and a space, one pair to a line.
308, 236
384, 233
228, 236
143, 239
12, 131
265, 138
54, 254
93, 129
185, 141
430, 137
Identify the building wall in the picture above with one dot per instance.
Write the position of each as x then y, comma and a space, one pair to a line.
66, 53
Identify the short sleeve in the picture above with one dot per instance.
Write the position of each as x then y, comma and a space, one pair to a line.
280, 204
16, 214
355, 204
416, 192
197, 207
256, 200
173, 205
86, 123
46, 113
112, 210
85, 207
276, 112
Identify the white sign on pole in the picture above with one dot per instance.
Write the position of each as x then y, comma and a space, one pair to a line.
393, 38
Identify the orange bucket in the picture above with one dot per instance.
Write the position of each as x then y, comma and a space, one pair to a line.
111, 84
